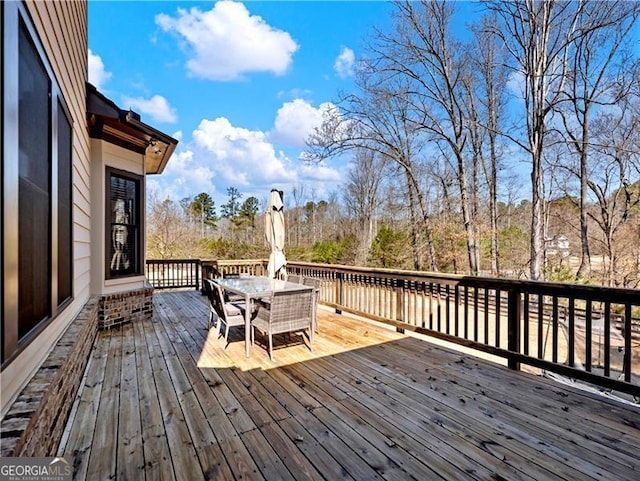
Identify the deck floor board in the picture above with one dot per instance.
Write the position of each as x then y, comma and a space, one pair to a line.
166, 399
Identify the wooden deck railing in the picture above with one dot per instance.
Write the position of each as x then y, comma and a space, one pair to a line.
217, 268
173, 273
586, 332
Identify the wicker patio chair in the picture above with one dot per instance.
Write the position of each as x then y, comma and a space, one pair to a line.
316, 284
288, 311
295, 278
213, 315
227, 313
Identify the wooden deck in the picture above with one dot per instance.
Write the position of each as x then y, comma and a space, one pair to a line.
165, 400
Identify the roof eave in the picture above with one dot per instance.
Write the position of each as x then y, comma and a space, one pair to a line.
124, 127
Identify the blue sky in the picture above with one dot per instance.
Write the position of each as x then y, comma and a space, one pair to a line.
239, 84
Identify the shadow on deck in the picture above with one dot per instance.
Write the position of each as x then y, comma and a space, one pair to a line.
165, 400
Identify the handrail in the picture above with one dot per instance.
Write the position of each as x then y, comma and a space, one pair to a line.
585, 332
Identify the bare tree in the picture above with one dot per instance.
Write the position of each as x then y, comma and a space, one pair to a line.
378, 119
169, 233
477, 154
595, 80
298, 194
423, 51
489, 63
616, 161
311, 215
362, 197
538, 36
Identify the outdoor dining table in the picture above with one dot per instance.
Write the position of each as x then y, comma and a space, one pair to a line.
254, 287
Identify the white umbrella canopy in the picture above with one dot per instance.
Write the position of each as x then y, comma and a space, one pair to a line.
274, 232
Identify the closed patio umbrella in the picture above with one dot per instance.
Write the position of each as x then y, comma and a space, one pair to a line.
274, 232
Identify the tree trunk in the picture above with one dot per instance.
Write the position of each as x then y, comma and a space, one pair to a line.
415, 238
472, 246
493, 206
537, 219
585, 257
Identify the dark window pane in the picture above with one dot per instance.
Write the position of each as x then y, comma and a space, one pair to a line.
34, 193
65, 261
124, 228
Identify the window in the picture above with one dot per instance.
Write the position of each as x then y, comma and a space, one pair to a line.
124, 224
37, 138
34, 189
65, 206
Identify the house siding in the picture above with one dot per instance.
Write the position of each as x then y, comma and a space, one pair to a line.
67, 55
103, 155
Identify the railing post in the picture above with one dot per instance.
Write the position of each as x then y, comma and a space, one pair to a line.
513, 326
203, 275
198, 267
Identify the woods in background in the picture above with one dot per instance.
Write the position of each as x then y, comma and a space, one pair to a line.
440, 131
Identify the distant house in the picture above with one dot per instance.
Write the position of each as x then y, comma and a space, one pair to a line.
73, 232
558, 245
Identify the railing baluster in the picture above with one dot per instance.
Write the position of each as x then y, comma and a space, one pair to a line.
448, 308
367, 294
525, 324
466, 312
431, 305
588, 336
439, 308
626, 359
540, 326
382, 293
475, 314
554, 338
456, 311
498, 320
339, 289
486, 315
607, 339
572, 332
374, 296
513, 326
416, 296
399, 314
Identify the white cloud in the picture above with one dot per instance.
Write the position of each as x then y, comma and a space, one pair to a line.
184, 176
98, 76
243, 157
221, 155
345, 63
295, 93
226, 42
296, 120
157, 107
319, 172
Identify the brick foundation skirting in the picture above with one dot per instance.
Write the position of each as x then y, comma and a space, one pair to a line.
34, 424
123, 307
